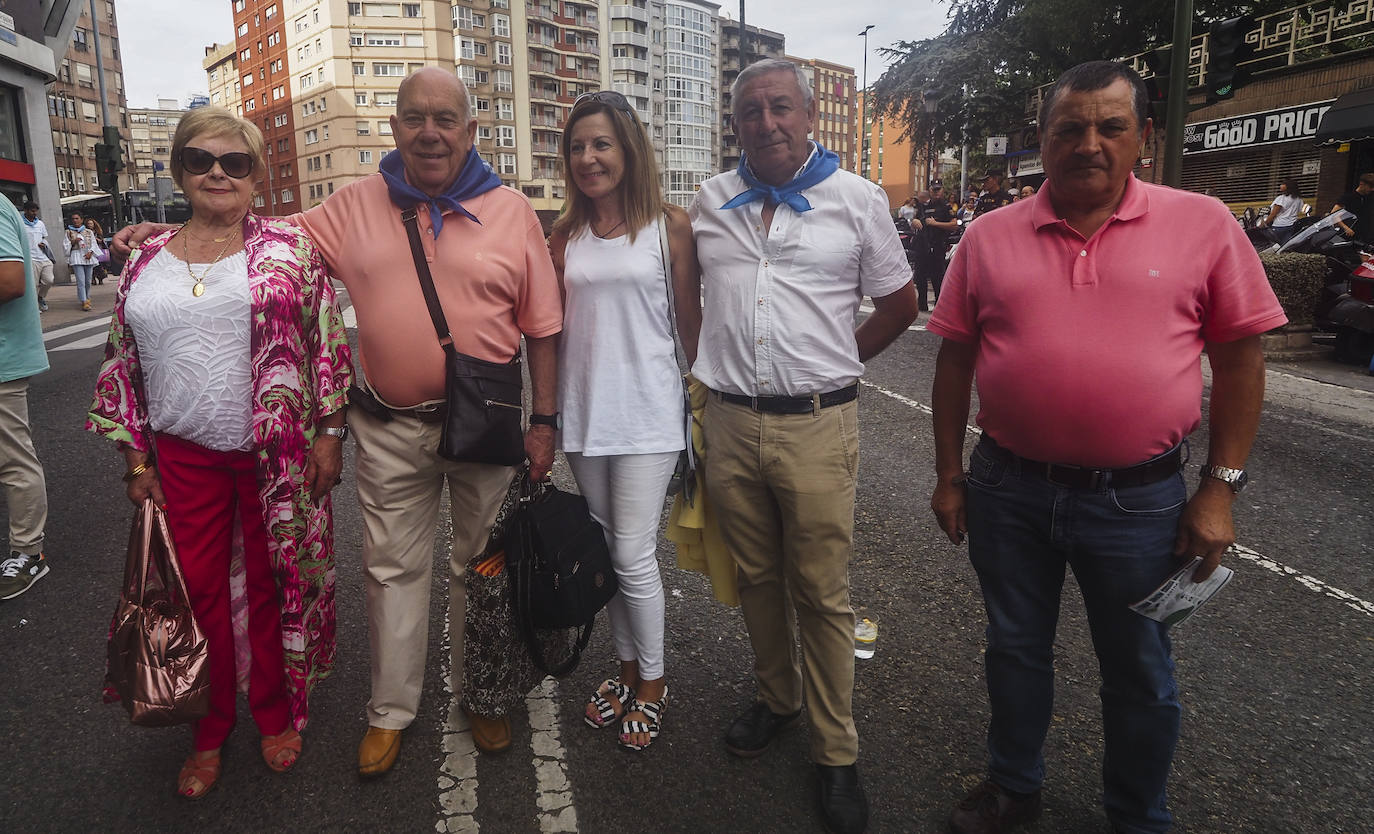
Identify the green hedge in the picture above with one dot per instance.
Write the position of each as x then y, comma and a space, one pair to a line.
1297, 281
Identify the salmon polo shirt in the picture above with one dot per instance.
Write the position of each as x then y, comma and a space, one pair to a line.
494, 280
1088, 350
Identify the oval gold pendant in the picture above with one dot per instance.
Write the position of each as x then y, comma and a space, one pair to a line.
198, 290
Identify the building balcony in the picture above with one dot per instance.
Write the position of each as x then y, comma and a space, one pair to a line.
629, 39
630, 65
544, 150
536, 11
631, 90
630, 13
545, 95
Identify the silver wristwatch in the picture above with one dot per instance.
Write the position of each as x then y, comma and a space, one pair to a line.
341, 432
1236, 479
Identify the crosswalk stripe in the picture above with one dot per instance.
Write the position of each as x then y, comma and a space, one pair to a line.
81, 327
98, 340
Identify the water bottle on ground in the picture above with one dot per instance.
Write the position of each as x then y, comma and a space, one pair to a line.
865, 638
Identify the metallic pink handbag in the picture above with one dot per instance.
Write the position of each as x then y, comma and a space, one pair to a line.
159, 662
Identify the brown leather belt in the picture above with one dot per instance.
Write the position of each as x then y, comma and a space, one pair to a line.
791, 405
1078, 477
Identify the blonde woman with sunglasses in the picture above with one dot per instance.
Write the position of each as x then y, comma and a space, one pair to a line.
224, 386
619, 386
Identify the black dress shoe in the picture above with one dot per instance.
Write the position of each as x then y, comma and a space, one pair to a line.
752, 732
844, 808
992, 809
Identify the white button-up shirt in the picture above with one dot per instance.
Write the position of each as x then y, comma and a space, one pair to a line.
780, 303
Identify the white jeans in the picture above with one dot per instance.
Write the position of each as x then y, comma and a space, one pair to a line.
625, 493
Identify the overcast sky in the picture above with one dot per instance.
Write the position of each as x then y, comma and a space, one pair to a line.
164, 42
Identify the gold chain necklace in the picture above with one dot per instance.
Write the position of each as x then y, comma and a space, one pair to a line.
198, 288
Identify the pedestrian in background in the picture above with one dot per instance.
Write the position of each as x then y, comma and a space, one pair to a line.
1284, 212
1089, 385
224, 385
619, 385
939, 222
1360, 201
993, 196
23, 356
101, 258
79, 244
40, 252
789, 244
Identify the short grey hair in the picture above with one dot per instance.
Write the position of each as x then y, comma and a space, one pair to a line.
768, 65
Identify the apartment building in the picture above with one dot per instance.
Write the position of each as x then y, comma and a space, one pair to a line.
150, 146
690, 97
222, 77
834, 126
347, 61
35, 39
265, 88
75, 115
762, 43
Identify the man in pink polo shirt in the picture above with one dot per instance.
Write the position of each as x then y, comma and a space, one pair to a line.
1084, 310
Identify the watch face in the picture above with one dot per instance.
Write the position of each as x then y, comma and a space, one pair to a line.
1241, 480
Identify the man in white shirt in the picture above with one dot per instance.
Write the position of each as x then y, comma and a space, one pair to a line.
789, 245
39, 252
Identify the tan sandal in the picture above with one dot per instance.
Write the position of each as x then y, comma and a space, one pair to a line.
282, 750
199, 773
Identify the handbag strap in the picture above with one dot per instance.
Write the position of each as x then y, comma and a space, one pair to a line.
667, 251
417, 253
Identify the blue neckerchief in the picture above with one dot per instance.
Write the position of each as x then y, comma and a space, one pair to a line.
77, 229
28, 222
822, 164
476, 178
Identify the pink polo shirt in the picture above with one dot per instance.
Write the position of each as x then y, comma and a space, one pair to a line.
1088, 350
494, 281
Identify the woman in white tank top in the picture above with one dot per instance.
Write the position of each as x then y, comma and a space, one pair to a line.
619, 386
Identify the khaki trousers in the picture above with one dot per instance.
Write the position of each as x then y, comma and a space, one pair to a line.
400, 483
783, 489
21, 475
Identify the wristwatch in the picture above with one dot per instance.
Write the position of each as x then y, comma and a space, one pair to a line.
1236, 479
555, 420
341, 432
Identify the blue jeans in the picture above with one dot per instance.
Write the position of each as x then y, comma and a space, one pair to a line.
1022, 531
82, 274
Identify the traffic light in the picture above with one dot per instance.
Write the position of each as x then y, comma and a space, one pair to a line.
1157, 85
1226, 49
109, 162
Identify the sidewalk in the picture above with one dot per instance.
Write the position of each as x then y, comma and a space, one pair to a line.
63, 308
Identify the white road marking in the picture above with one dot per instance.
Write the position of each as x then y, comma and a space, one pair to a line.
102, 323
458, 774
555, 800
1309, 582
867, 307
97, 340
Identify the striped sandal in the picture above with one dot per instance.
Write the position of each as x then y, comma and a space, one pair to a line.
605, 712
653, 711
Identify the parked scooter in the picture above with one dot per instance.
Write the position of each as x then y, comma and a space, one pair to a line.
1345, 308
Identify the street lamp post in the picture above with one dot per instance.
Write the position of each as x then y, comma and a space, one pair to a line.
863, 118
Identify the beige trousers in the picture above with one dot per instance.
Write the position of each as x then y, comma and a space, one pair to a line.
400, 483
783, 489
21, 475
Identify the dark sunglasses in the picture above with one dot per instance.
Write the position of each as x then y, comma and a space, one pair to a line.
197, 161
608, 97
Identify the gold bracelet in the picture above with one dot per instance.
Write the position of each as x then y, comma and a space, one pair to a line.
138, 469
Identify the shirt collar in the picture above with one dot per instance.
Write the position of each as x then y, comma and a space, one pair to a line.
1135, 202
814, 150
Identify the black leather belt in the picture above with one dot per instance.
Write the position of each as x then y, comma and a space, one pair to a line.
1077, 477
791, 405
368, 402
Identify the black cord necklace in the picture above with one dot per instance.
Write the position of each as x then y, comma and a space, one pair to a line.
604, 235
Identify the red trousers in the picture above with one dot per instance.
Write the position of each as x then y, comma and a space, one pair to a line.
204, 490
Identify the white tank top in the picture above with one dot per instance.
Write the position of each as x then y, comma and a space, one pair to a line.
195, 351
619, 388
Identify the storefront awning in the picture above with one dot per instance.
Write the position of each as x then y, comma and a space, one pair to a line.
1350, 119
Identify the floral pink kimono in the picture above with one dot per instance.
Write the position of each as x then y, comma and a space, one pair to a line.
301, 370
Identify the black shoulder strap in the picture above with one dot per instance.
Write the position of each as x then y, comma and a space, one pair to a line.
417, 252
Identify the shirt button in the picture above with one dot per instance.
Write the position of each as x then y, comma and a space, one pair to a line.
1083, 253
760, 340
760, 302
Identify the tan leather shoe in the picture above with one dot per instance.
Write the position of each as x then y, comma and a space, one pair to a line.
378, 751
491, 735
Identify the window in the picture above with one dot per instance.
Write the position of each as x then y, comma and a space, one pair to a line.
414, 39
364, 157
248, 80
286, 195
360, 99
505, 81
250, 104
270, 12
410, 9
505, 163
503, 53
505, 109
505, 137
500, 25
278, 91
280, 120
355, 38
481, 105
239, 4
312, 136
393, 70
274, 39
329, 163
355, 8
383, 39
465, 49
384, 127
243, 30
479, 21
363, 129
359, 68
484, 133
462, 17
384, 99
307, 81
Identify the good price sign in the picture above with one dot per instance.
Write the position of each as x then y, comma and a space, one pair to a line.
1266, 128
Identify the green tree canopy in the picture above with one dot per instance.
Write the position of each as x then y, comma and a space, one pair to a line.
999, 51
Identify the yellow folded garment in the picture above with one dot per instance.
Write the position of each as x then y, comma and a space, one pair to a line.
692, 526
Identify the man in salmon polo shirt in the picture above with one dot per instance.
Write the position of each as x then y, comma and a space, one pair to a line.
495, 282
1084, 310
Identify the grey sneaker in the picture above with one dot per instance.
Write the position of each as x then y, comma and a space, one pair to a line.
42, 306
19, 572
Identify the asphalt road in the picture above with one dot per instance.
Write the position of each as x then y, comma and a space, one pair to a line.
1275, 673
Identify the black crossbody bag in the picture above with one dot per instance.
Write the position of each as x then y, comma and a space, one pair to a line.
483, 421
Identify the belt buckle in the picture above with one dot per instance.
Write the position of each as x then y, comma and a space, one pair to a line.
1094, 479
